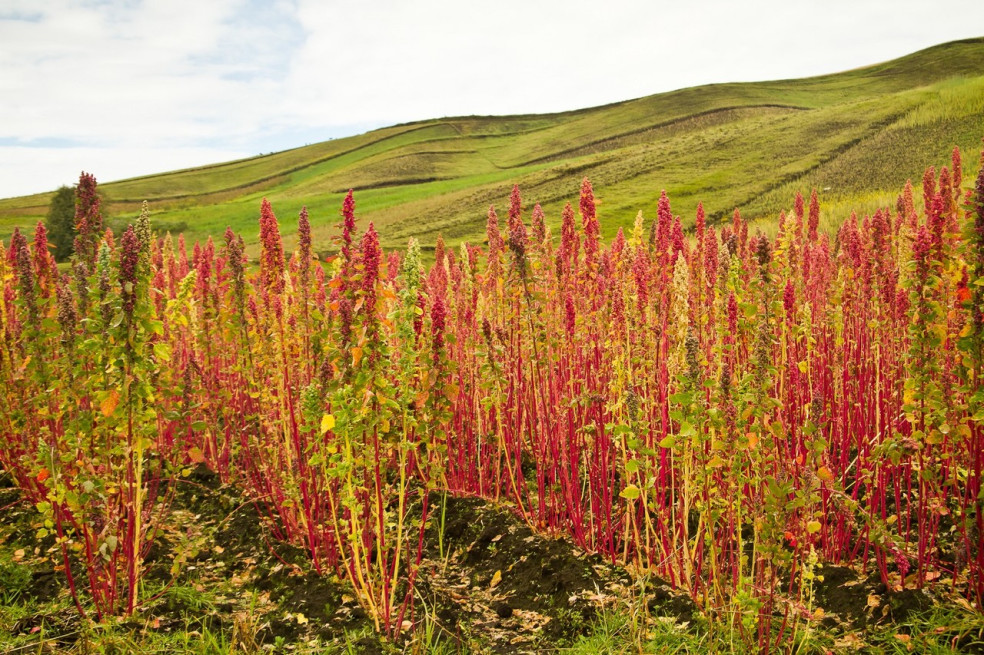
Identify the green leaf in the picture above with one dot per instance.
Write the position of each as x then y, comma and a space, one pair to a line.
162, 352
631, 492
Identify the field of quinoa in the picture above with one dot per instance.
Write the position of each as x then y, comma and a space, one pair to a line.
700, 439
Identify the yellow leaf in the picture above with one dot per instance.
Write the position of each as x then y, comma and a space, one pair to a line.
496, 579
109, 404
813, 527
384, 425
752, 440
301, 619
825, 474
327, 422
356, 356
908, 396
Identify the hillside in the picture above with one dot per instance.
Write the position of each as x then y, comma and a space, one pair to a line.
856, 136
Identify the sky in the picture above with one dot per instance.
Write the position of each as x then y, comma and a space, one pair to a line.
121, 88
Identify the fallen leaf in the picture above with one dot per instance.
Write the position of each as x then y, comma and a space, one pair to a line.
18, 554
496, 579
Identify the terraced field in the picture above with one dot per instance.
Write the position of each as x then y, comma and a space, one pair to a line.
856, 136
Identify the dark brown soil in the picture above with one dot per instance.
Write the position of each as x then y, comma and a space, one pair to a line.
300, 603
503, 588
487, 582
235, 578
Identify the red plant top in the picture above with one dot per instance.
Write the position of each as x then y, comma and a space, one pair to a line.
664, 224
348, 231
20, 256
798, 208
371, 255
515, 209
711, 261
129, 259
42, 258
304, 242
589, 218
569, 241
272, 256
920, 251
496, 243
929, 189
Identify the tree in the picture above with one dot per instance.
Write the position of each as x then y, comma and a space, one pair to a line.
60, 222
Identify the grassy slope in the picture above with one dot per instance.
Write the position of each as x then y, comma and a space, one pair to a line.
857, 135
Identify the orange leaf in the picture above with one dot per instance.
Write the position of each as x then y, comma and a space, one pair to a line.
195, 455
825, 474
356, 356
43, 475
109, 404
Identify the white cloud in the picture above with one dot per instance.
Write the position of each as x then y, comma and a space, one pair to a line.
186, 82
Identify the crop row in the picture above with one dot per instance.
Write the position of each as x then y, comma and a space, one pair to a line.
721, 409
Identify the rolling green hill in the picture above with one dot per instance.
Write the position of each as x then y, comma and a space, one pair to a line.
856, 136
